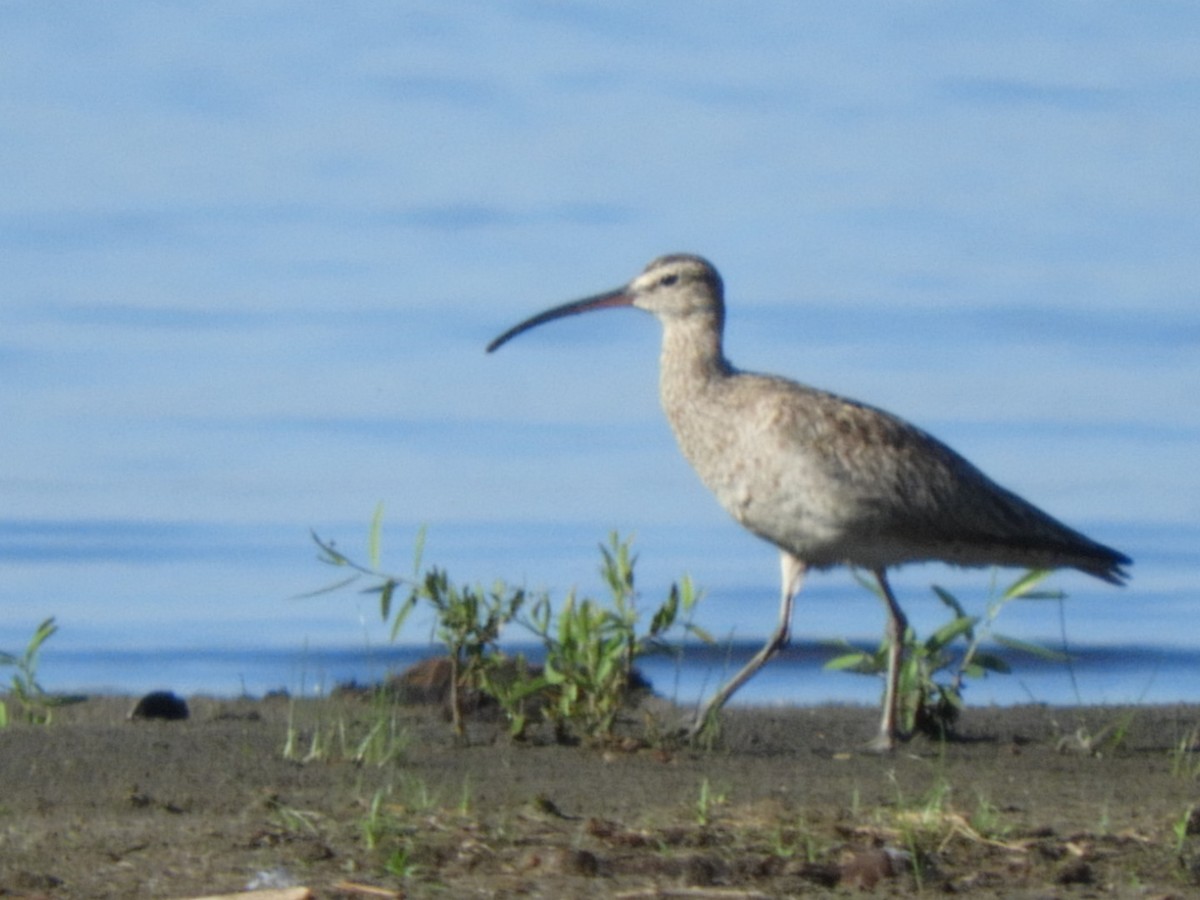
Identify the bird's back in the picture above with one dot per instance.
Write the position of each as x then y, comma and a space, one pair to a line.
834, 481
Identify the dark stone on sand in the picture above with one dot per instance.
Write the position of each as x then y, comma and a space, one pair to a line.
701, 871
562, 861
865, 869
160, 705
425, 682
1077, 871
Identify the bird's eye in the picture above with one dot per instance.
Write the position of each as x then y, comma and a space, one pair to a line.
668, 280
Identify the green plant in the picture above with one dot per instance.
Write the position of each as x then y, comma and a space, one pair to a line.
464, 797
518, 687
1182, 827
400, 863
378, 823
934, 670
37, 706
707, 802
987, 820
591, 648
295, 820
377, 741
1106, 739
799, 840
292, 734
925, 823
416, 795
384, 742
1184, 762
384, 827
468, 619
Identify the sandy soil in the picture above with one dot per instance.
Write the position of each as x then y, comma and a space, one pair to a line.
1028, 802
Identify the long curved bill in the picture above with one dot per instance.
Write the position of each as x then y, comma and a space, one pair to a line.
619, 297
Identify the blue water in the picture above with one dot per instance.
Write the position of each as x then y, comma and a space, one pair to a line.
250, 258
227, 623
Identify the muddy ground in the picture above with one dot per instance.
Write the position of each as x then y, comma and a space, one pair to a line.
1026, 802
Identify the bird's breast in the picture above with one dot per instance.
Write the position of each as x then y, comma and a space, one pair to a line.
766, 468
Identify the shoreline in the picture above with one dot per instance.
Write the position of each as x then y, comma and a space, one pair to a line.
1024, 801
1103, 674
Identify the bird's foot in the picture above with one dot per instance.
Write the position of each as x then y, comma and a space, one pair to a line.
703, 730
884, 742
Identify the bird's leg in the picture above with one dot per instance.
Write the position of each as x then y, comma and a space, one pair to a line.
792, 570
897, 625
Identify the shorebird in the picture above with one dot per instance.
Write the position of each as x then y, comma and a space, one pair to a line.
829, 481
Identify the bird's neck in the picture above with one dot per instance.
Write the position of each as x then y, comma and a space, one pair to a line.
692, 360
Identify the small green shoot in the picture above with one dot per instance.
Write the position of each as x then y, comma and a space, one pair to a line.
384, 825
464, 797
1106, 740
37, 706
377, 824
1184, 827
378, 741
400, 863
987, 820
707, 803
385, 742
1184, 761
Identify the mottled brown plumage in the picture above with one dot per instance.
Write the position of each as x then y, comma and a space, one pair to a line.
827, 480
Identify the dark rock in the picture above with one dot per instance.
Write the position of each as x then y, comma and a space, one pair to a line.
160, 705
1077, 871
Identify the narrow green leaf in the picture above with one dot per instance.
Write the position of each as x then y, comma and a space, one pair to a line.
385, 599
992, 662
522, 689
849, 661
328, 589
871, 584
1026, 583
418, 551
949, 632
687, 595
1032, 649
45, 630
665, 615
949, 600
329, 554
839, 644
954, 698
551, 674
1044, 595
375, 536
402, 614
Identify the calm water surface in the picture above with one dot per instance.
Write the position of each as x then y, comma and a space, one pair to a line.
251, 258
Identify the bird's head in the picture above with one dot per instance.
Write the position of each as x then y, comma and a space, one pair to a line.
673, 287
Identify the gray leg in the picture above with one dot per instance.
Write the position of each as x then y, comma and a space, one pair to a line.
792, 571
897, 625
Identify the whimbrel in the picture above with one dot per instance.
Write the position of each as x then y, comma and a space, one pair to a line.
827, 480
